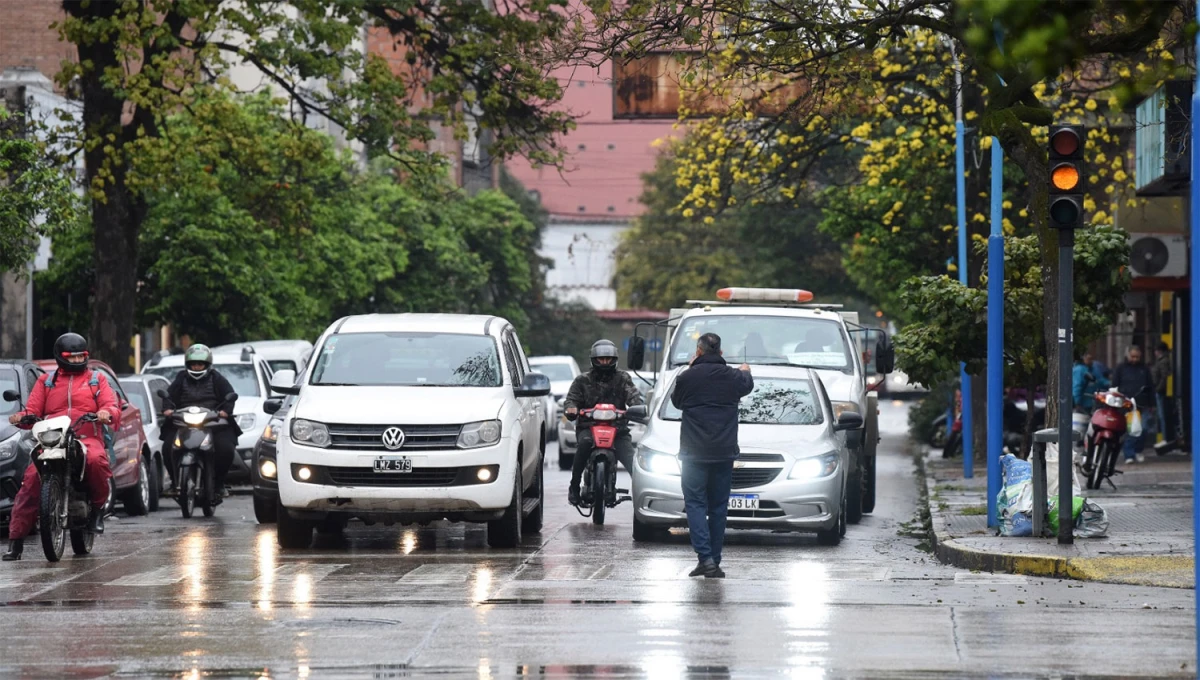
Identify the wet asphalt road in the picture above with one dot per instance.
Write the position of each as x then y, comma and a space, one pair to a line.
166, 597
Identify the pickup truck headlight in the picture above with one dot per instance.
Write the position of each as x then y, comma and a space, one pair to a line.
310, 432
271, 432
482, 433
245, 421
657, 462
8, 447
815, 467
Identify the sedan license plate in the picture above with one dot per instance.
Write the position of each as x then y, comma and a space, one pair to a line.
743, 501
394, 464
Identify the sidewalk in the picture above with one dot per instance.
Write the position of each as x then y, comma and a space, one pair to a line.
1149, 542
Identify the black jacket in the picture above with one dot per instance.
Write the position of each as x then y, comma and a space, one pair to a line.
593, 387
208, 392
1135, 382
708, 393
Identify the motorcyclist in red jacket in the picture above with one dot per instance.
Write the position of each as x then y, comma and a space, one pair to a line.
72, 391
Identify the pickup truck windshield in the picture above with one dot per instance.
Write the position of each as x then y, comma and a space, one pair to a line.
415, 359
756, 339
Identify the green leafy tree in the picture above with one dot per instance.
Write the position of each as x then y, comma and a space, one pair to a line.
36, 197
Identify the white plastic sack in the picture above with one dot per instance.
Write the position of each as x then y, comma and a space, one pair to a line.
1134, 420
1052, 474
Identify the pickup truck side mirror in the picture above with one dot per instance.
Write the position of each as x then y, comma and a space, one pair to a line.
533, 385
284, 382
638, 414
12, 395
271, 406
849, 420
637, 353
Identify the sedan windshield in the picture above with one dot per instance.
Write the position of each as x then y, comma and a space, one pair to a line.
757, 339
240, 376
773, 402
419, 359
137, 396
555, 372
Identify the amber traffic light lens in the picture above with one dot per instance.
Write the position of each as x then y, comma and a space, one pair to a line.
1064, 142
1065, 177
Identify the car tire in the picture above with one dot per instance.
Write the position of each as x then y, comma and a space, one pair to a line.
871, 446
647, 533
137, 500
565, 460
156, 469
854, 487
833, 536
292, 533
506, 531
532, 524
266, 511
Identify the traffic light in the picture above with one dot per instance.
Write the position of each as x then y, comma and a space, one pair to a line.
1066, 176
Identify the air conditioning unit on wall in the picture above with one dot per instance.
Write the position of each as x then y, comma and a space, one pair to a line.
1158, 255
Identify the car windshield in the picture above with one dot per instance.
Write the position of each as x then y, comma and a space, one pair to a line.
418, 359
757, 339
8, 381
282, 365
137, 397
773, 402
556, 372
240, 376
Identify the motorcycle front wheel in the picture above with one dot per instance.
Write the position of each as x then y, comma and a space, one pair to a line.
599, 482
82, 541
51, 518
188, 477
208, 502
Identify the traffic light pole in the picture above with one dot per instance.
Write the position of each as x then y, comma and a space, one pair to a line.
1066, 308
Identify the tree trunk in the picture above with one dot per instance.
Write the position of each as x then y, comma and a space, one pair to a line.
116, 213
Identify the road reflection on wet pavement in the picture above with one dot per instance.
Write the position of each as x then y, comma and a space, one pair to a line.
163, 596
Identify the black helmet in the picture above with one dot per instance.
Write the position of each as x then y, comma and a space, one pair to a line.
604, 350
66, 346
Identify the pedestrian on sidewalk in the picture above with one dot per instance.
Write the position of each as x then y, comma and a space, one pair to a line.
1132, 378
708, 393
1164, 366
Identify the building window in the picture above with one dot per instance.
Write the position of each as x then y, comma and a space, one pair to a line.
612, 208
612, 147
583, 147
583, 208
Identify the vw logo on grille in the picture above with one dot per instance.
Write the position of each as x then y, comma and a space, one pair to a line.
393, 438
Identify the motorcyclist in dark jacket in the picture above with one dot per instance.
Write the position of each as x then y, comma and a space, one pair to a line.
604, 384
199, 384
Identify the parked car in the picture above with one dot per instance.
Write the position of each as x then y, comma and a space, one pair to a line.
264, 471
17, 378
280, 355
562, 371
142, 391
135, 484
250, 376
413, 418
790, 476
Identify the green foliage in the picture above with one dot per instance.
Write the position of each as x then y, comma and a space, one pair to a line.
36, 197
951, 319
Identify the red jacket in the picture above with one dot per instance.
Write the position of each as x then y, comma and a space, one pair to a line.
73, 394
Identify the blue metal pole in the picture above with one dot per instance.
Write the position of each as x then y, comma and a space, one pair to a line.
965, 380
1194, 337
995, 341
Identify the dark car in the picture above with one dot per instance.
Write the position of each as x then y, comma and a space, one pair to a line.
17, 378
266, 486
133, 469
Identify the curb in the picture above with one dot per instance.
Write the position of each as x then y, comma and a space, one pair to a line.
1166, 571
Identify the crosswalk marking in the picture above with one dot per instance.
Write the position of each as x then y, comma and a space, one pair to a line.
578, 572
438, 573
163, 576
287, 573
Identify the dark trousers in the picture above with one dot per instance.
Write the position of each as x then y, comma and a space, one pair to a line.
706, 501
224, 449
623, 447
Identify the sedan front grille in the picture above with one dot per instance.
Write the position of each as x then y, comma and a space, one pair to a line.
416, 437
746, 478
760, 457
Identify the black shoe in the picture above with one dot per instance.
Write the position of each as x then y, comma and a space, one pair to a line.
717, 573
16, 546
96, 521
707, 569
573, 495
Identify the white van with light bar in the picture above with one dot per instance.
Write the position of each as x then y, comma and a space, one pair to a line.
412, 418
783, 328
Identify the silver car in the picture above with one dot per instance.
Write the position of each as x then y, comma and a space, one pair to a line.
142, 390
791, 475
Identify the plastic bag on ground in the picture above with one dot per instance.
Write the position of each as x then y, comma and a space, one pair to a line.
1052, 515
1015, 497
1092, 522
1052, 474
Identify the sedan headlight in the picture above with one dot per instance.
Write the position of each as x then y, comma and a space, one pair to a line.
815, 467
840, 407
482, 433
8, 447
271, 432
310, 432
657, 462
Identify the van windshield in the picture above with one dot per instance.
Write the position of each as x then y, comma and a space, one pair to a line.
758, 339
415, 359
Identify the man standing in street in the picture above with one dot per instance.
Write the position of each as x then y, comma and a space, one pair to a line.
1132, 378
708, 393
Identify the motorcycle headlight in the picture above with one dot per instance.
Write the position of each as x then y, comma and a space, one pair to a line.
482, 433
50, 438
604, 415
271, 432
310, 432
657, 462
8, 448
245, 421
815, 467
194, 418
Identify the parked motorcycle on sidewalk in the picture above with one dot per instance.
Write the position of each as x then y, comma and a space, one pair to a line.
599, 489
60, 457
194, 465
1105, 436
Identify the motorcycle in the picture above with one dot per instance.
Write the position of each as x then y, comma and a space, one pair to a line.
599, 490
60, 457
1105, 435
193, 453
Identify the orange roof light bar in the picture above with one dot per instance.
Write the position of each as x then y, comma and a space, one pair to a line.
764, 295
1065, 177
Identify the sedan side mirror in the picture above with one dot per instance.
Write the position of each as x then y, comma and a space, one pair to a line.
637, 353
849, 420
12, 395
638, 414
534, 385
162, 394
271, 406
284, 382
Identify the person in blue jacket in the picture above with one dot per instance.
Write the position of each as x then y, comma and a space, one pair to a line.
1087, 378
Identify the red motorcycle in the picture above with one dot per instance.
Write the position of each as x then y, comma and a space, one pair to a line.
599, 490
1104, 438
